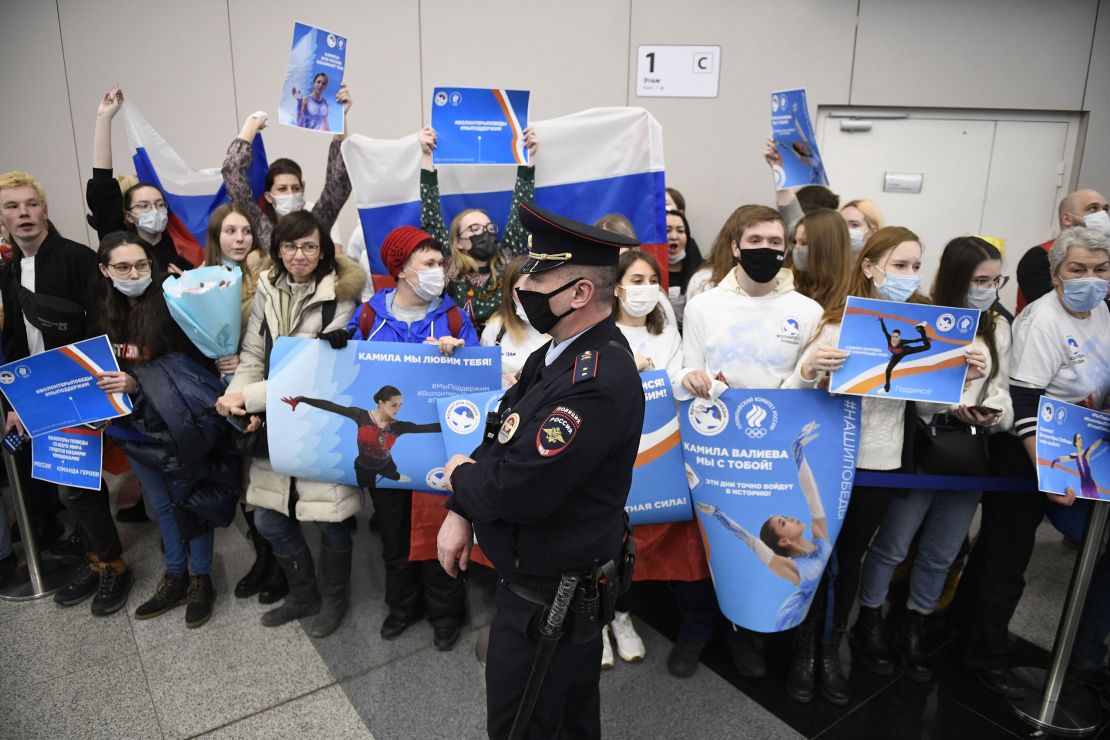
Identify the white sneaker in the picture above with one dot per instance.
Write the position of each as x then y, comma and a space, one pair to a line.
606, 649
629, 645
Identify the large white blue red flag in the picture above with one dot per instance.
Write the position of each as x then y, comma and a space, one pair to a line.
592, 163
191, 194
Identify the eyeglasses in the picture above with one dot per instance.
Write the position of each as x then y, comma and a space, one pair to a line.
288, 249
478, 229
997, 283
123, 269
144, 205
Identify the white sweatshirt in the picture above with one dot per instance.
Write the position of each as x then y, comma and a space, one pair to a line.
751, 342
664, 349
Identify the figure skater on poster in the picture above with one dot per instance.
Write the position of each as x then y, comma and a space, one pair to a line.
782, 546
312, 109
1088, 488
378, 431
901, 348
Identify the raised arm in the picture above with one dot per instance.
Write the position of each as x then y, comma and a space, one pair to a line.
818, 521
431, 210
515, 238
236, 165
777, 564
337, 187
353, 413
102, 191
407, 427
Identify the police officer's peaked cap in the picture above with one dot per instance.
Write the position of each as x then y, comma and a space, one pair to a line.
556, 240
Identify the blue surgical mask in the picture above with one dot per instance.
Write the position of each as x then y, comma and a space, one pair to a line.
897, 287
153, 221
801, 258
856, 235
981, 298
1084, 294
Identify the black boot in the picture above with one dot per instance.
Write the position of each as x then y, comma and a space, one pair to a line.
913, 657
303, 599
83, 586
747, 655
870, 633
335, 589
251, 583
801, 678
834, 686
172, 591
275, 587
112, 588
201, 600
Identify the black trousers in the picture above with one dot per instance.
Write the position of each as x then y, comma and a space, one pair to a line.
93, 518
41, 497
413, 589
994, 579
865, 513
569, 705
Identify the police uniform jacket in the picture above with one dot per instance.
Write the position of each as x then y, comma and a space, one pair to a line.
547, 495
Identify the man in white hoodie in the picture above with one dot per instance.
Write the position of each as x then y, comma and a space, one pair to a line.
747, 332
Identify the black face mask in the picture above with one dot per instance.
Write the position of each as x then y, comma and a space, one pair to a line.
537, 307
482, 246
761, 264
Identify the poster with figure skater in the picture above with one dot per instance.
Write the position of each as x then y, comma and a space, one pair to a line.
771, 475
312, 80
366, 415
1073, 450
911, 351
798, 162
479, 126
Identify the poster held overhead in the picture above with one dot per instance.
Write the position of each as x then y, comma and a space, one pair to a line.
799, 162
312, 79
479, 126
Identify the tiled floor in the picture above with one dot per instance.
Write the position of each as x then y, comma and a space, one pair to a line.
69, 674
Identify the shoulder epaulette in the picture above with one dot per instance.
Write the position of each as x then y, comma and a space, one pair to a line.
585, 366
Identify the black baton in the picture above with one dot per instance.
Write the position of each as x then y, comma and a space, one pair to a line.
551, 631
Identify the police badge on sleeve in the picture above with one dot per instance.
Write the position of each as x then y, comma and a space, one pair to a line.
557, 431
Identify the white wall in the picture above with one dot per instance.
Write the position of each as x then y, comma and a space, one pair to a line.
196, 69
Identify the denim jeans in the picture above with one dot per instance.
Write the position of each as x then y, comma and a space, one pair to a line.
944, 518
285, 536
196, 554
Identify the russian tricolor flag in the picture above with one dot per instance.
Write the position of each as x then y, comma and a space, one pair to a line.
589, 164
191, 194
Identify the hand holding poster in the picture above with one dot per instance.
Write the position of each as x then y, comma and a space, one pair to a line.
910, 351
312, 80
1073, 447
57, 388
798, 162
659, 493
770, 473
366, 415
479, 126
69, 457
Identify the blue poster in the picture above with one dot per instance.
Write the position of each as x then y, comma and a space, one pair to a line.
463, 419
57, 388
69, 457
324, 423
312, 80
798, 162
479, 126
771, 474
1073, 450
660, 492
910, 351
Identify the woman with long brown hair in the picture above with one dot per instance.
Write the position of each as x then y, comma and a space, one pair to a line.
822, 256
508, 328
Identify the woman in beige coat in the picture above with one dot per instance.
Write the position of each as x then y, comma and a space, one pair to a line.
306, 284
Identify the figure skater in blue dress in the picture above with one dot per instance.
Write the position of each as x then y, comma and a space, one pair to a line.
782, 545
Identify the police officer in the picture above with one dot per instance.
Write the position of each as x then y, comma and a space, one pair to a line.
546, 493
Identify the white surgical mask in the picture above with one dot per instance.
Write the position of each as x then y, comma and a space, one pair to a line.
801, 258
1099, 220
429, 283
981, 298
640, 300
677, 257
132, 288
286, 204
519, 311
856, 236
153, 221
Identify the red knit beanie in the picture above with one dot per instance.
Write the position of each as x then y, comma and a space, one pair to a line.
399, 244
